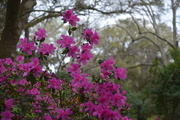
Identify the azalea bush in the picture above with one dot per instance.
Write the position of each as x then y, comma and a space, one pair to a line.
29, 90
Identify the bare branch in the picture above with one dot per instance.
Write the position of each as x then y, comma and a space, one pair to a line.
148, 40
139, 65
34, 22
136, 24
160, 38
45, 11
126, 31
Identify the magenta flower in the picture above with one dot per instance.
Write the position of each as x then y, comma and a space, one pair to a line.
126, 118
86, 47
8, 61
69, 16
34, 62
107, 64
26, 47
98, 111
118, 99
46, 49
20, 58
55, 83
66, 41
34, 91
87, 55
64, 114
87, 33
120, 73
89, 107
36, 70
47, 118
6, 115
23, 82
94, 39
25, 67
9, 103
73, 20
73, 68
73, 50
41, 33
78, 78
105, 73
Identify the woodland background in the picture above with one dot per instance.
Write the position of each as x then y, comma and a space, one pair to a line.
142, 35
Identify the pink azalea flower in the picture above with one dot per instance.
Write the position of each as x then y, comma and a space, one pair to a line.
9, 103
89, 107
34, 91
66, 41
8, 61
55, 83
13, 82
107, 64
87, 33
20, 58
47, 118
120, 73
69, 16
26, 47
26, 68
63, 114
73, 68
2, 79
84, 57
38, 84
125, 118
105, 73
6, 115
78, 78
94, 39
34, 62
37, 70
72, 51
73, 20
23, 82
46, 49
98, 111
118, 99
86, 47
41, 33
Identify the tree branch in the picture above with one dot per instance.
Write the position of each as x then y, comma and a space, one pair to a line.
139, 65
34, 22
160, 38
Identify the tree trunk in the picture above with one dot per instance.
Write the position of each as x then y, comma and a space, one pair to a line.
174, 7
16, 18
11, 33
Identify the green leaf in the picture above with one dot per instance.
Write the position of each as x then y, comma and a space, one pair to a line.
74, 28
65, 51
16, 109
42, 40
100, 61
69, 31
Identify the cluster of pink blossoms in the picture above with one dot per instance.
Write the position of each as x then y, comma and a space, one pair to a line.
69, 16
33, 93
